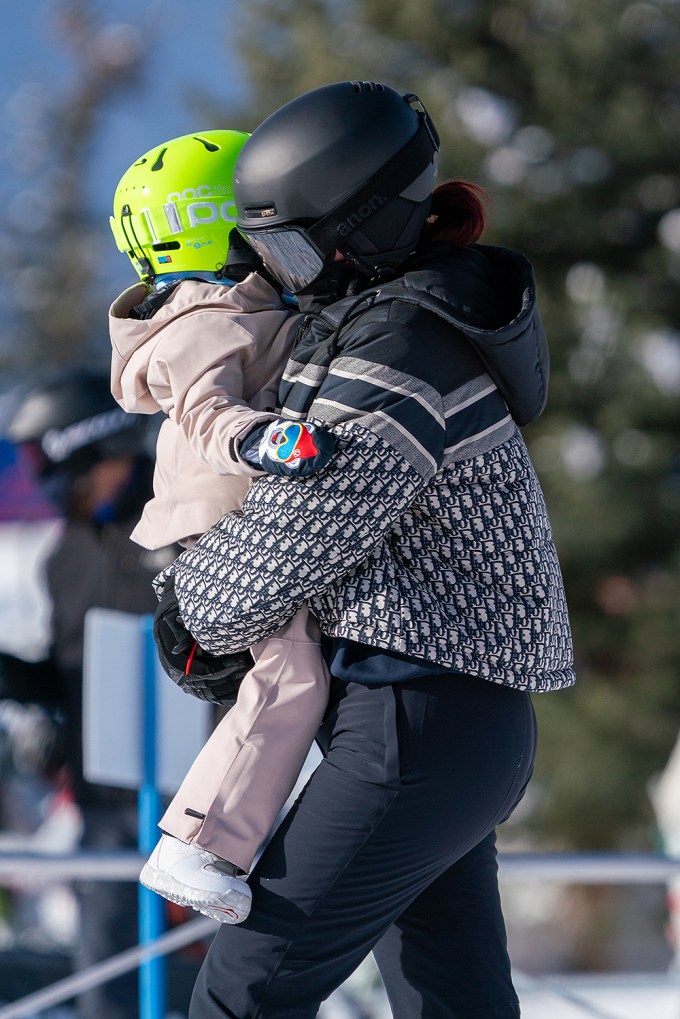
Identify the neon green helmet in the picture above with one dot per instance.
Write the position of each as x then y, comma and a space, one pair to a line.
173, 210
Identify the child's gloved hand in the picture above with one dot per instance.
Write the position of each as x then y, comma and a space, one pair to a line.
289, 448
213, 678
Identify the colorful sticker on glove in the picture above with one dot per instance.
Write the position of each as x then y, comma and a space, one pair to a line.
292, 444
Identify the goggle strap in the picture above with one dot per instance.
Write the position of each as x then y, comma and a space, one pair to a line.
387, 183
144, 263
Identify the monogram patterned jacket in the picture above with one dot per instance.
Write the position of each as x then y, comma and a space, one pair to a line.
427, 534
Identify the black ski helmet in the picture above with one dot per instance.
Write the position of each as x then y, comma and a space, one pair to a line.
346, 167
75, 421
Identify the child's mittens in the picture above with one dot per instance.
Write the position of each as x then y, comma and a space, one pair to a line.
289, 448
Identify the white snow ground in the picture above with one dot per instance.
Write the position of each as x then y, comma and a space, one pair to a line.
600, 997
620, 996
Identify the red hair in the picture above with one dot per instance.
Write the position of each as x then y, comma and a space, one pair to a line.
460, 208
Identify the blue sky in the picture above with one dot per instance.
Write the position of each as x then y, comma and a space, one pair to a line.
188, 47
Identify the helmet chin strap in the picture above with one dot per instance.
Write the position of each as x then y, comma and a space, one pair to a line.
389, 264
167, 279
339, 279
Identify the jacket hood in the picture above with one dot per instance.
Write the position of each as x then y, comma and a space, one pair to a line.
489, 295
133, 340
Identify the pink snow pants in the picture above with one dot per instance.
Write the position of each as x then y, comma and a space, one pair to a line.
244, 774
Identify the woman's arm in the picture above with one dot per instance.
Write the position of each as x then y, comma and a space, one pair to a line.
294, 538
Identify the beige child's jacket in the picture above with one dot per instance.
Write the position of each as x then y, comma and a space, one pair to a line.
211, 359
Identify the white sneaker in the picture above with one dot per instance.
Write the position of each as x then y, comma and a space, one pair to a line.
191, 876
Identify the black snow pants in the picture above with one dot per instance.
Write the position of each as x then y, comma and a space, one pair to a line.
390, 848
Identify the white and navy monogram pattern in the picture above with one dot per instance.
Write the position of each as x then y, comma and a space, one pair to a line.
426, 534
467, 576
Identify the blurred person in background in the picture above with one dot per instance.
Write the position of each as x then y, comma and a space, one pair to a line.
31, 807
92, 462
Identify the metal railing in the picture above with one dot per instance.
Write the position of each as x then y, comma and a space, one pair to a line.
572, 868
102, 972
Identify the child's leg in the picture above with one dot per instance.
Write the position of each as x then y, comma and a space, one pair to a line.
237, 785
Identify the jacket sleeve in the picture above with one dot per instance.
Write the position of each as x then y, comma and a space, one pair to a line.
199, 384
295, 538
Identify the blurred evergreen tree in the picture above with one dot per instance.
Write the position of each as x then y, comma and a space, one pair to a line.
50, 242
569, 114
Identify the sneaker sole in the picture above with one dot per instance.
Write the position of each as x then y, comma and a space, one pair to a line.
235, 910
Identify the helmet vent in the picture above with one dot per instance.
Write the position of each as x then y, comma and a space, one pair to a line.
158, 165
367, 86
210, 146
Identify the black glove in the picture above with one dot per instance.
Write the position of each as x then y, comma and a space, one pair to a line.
214, 678
289, 448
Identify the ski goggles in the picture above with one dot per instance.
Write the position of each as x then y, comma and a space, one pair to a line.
288, 253
294, 253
